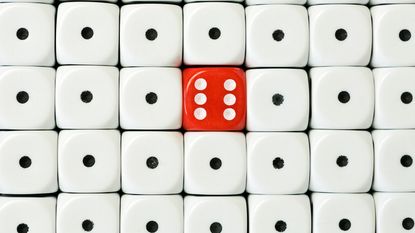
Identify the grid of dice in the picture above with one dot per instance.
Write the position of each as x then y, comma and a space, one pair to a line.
262, 116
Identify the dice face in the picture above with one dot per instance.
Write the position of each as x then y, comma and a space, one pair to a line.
214, 33
89, 160
151, 35
214, 99
395, 212
87, 33
276, 36
27, 34
394, 155
215, 163
215, 214
27, 99
28, 162
80, 213
150, 98
81, 103
21, 214
152, 162
353, 213
277, 100
163, 214
278, 163
336, 166
395, 104
342, 98
393, 26
340, 35
279, 213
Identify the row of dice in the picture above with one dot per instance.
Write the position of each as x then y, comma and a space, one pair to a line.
208, 33
106, 213
214, 163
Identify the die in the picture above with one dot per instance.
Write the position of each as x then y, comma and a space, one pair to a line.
215, 214
276, 36
89, 161
79, 213
380, 2
340, 35
28, 162
87, 33
318, 2
393, 26
353, 213
215, 163
260, 2
21, 214
394, 154
277, 100
214, 33
342, 98
281, 213
27, 98
152, 162
23, 1
394, 90
394, 212
214, 99
336, 166
81, 103
163, 214
140, 1
146, 39
28, 34
150, 98
278, 163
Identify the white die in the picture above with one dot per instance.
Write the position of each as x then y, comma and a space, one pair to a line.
281, 213
260, 2
214, 33
278, 163
151, 35
154, 1
151, 98
342, 98
380, 2
89, 160
21, 214
277, 100
163, 214
354, 213
394, 155
87, 33
215, 214
87, 97
394, 94
28, 162
341, 161
27, 98
152, 162
215, 163
340, 35
80, 213
393, 35
276, 36
318, 2
27, 34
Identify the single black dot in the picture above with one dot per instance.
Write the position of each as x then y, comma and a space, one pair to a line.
342, 161
341, 34
87, 225
216, 227
22, 33
277, 99
280, 226
152, 162
278, 163
152, 226
22, 228
151, 34
345, 224
344, 97
88, 160
25, 162
215, 163
408, 224
406, 161
406, 97
278, 35
405, 35
151, 98
22, 97
87, 33
86, 96
214, 33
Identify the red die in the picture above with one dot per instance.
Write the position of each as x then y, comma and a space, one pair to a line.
214, 99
